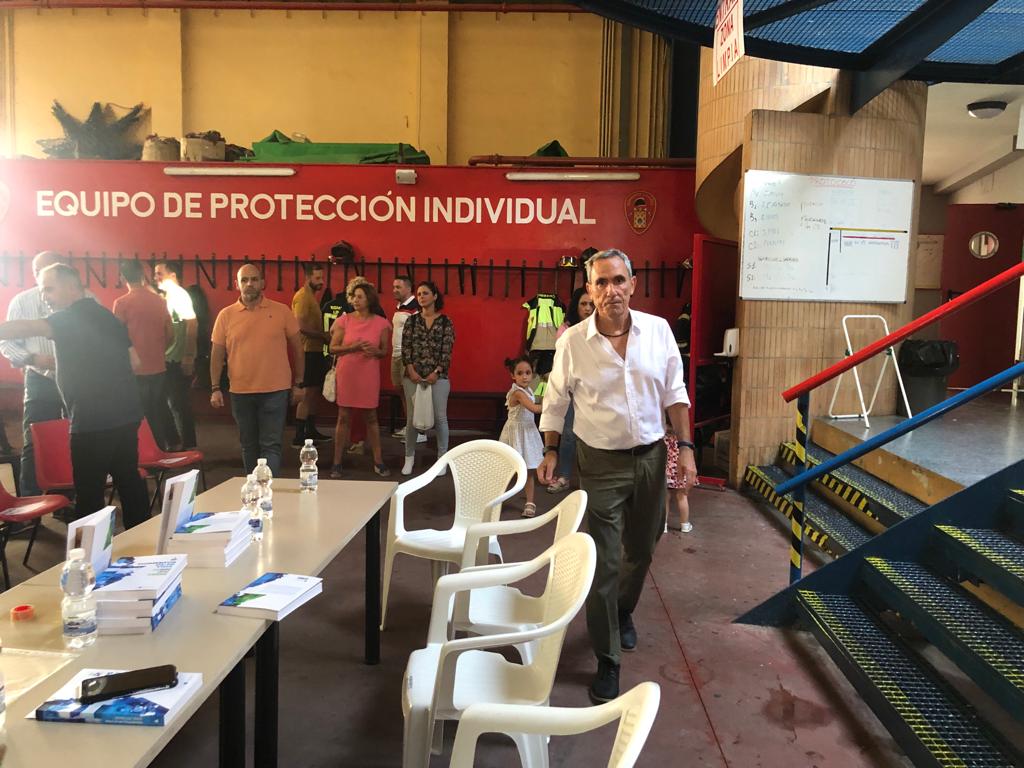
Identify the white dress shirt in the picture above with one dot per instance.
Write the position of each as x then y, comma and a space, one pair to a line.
619, 403
405, 310
28, 305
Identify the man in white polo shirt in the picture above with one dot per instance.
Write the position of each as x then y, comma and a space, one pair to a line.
623, 371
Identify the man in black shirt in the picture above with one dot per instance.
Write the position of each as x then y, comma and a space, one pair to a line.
94, 375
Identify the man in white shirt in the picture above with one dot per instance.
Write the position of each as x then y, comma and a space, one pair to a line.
407, 306
36, 356
623, 371
180, 355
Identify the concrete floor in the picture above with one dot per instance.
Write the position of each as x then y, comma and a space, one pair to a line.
731, 695
966, 445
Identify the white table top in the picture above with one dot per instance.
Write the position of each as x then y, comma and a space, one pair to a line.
306, 533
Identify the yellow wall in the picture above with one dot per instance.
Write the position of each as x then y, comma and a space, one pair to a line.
455, 85
78, 57
517, 82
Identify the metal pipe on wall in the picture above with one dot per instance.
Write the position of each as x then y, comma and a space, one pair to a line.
300, 5
569, 162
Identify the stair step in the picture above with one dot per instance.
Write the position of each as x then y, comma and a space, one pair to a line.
981, 642
861, 489
992, 556
932, 723
825, 525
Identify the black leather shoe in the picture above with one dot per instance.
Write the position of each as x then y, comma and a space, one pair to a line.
606, 682
627, 632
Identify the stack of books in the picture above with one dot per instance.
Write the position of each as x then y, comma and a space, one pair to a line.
212, 539
134, 594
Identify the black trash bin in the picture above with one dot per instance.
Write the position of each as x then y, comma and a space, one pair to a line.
926, 366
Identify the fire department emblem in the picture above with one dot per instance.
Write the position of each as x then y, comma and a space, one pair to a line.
5, 200
640, 208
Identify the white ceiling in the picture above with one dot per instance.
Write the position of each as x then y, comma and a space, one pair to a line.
952, 138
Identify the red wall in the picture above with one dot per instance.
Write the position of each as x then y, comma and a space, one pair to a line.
489, 325
984, 331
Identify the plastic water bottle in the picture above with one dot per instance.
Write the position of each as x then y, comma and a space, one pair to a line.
308, 473
264, 478
78, 608
251, 506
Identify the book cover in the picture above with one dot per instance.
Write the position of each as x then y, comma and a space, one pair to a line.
142, 577
216, 558
154, 708
272, 596
210, 528
179, 504
95, 534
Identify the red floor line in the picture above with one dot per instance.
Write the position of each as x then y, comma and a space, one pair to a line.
689, 670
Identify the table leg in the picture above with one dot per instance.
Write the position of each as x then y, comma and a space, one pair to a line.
372, 651
265, 720
232, 718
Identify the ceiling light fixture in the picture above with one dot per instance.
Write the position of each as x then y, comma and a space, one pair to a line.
984, 110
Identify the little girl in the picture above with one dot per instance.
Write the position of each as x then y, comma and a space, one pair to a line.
520, 431
675, 484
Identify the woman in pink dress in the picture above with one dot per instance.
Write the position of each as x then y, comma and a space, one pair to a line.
360, 340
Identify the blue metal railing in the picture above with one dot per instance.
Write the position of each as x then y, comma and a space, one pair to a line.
901, 429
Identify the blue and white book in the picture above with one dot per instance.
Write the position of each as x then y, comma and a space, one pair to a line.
127, 625
272, 596
145, 577
134, 609
211, 529
179, 505
95, 534
149, 708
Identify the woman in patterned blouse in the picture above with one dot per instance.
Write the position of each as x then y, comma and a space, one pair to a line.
427, 341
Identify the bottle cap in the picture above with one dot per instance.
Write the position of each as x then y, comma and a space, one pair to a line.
23, 612
309, 441
76, 554
261, 461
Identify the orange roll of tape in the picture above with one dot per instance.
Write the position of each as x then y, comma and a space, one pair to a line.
23, 612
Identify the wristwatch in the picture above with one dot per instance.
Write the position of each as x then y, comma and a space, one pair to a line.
550, 448
686, 444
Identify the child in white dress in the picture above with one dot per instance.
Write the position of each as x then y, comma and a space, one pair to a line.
520, 430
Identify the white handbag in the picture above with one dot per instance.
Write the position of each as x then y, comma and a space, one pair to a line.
331, 384
423, 408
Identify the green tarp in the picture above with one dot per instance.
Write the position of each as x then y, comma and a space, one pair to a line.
278, 147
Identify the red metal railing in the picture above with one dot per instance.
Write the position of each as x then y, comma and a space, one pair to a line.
979, 291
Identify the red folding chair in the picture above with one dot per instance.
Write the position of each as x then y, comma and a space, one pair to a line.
15, 511
51, 442
154, 459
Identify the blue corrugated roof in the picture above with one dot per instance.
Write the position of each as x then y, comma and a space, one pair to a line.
841, 33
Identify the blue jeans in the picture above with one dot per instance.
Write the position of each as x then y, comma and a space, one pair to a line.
260, 418
567, 445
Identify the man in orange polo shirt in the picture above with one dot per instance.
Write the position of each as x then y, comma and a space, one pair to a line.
261, 343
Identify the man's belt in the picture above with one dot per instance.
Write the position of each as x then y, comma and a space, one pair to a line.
636, 450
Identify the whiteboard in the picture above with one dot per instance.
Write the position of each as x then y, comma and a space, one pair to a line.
825, 238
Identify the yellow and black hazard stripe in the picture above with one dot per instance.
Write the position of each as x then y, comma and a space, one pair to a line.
760, 482
855, 497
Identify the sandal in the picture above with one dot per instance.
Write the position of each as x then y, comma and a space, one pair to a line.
530, 510
336, 472
558, 486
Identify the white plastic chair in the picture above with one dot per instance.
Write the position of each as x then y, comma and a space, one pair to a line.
495, 610
481, 471
447, 676
635, 710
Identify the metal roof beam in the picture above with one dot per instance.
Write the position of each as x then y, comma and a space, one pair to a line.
909, 43
780, 12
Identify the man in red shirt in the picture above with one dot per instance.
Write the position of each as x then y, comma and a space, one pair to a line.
144, 314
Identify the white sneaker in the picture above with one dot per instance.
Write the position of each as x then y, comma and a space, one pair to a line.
407, 467
444, 471
686, 527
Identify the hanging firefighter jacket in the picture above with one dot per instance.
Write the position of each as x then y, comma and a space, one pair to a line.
547, 313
